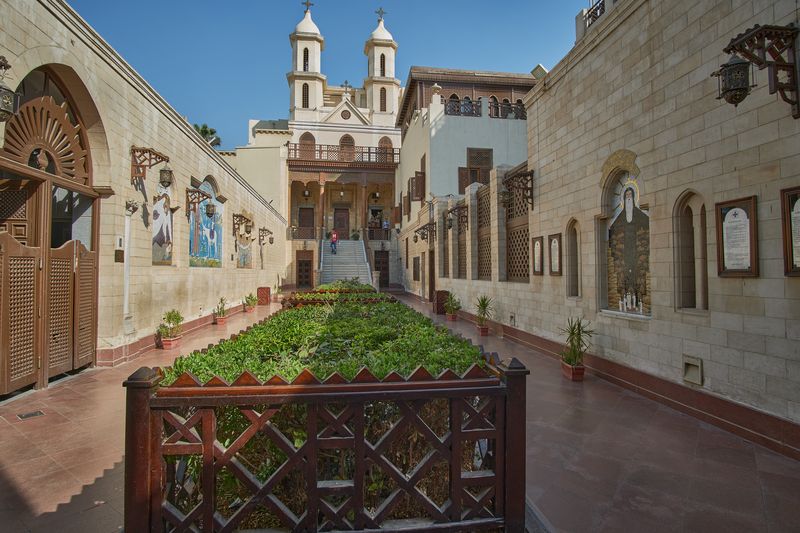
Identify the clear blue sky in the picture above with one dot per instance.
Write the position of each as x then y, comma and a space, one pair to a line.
225, 62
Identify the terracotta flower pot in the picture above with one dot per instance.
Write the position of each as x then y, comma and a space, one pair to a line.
169, 343
249, 308
483, 331
572, 373
220, 320
452, 317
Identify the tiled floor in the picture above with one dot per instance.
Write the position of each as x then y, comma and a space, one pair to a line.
63, 471
599, 457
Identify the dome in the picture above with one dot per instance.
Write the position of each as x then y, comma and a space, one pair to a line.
381, 33
307, 25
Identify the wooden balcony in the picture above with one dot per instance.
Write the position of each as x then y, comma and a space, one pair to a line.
342, 157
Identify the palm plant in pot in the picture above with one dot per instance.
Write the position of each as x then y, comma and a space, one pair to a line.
578, 335
250, 302
169, 331
221, 312
484, 308
451, 306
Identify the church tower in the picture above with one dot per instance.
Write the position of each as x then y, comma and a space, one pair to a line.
306, 80
382, 88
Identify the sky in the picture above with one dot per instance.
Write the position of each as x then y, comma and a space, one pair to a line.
223, 63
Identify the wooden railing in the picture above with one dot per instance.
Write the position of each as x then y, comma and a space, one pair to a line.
464, 108
507, 110
378, 234
423, 453
307, 233
344, 154
595, 12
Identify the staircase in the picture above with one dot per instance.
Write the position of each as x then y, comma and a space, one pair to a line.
348, 262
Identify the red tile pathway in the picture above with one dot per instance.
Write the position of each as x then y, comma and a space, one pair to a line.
600, 458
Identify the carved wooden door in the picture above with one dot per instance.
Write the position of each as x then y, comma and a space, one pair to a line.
19, 310
61, 293
431, 277
305, 272
382, 265
305, 217
85, 305
341, 223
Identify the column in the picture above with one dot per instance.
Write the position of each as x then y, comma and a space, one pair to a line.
321, 208
364, 202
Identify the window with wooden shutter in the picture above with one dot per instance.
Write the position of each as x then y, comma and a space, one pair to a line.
396, 214
407, 206
416, 268
468, 176
406, 253
419, 186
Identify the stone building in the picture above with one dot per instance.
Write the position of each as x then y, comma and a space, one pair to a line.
331, 164
456, 126
658, 212
112, 208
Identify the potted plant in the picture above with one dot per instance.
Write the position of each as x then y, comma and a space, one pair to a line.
451, 306
355, 236
578, 335
484, 310
169, 331
276, 294
249, 303
221, 312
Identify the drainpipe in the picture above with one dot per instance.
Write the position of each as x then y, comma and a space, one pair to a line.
131, 207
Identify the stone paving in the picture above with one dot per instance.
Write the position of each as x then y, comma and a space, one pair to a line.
600, 458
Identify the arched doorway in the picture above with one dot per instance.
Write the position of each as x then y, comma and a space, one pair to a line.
48, 237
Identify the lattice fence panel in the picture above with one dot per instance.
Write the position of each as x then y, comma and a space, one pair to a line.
22, 316
484, 235
60, 333
518, 254
462, 253
518, 206
445, 248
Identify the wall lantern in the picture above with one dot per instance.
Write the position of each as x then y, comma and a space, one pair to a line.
734, 80
341, 193
9, 100
263, 233
248, 228
416, 238
770, 47
449, 222
306, 193
376, 195
211, 209
165, 176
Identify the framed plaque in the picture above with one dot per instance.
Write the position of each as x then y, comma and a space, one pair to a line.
538, 256
737, 238
790, 220
554, 250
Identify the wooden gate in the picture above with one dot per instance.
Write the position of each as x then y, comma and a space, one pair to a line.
305, 268
19, 306
382, 265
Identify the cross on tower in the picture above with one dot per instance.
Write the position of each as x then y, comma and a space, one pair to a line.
380, 13
346, 86
308, 5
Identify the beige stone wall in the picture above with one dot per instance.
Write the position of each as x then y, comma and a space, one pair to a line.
130, 112
639, 81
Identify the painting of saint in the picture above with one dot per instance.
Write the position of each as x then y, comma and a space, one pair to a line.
629, 252
162, 230
205, 230
244, 246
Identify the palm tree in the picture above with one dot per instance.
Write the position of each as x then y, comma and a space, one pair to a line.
209, 134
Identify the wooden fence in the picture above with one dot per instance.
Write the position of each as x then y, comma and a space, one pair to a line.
467, 432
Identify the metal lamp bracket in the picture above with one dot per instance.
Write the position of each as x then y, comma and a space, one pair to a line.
193, 199
141, 160
522, 182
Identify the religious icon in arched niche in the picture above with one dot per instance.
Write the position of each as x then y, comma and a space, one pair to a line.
205, 230
162, 227
244, 244
628, 253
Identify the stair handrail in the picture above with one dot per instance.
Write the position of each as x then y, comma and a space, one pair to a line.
366, 261
321, 255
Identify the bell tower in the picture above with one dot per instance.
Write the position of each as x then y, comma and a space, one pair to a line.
306, 80
381, 86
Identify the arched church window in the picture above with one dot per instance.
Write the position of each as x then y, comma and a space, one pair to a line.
627, 253
505, 108
383, 99
383, 65
307, 146
385, 154
453, 105
305, 96
305, 59
573, 260
494, 109
466, 106
519, 110
691, 266
47, 133
346, 148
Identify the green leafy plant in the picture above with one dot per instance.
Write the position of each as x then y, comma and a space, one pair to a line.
355, 236
578, 341
171, 324
484, 309
452, 304
221, 309
250, 300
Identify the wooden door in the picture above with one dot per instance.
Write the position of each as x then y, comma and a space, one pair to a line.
85, 305
341, 222
305, 268
60, 326
382, 266
19, 310
431, 277
305, 217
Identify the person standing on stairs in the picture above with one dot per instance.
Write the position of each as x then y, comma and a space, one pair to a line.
334, 241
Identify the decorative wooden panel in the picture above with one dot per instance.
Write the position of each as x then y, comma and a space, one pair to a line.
480, 158
22, 306
518, 254
518, 206
60, 324
484, 234
85, 306
462, 251
13, 205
